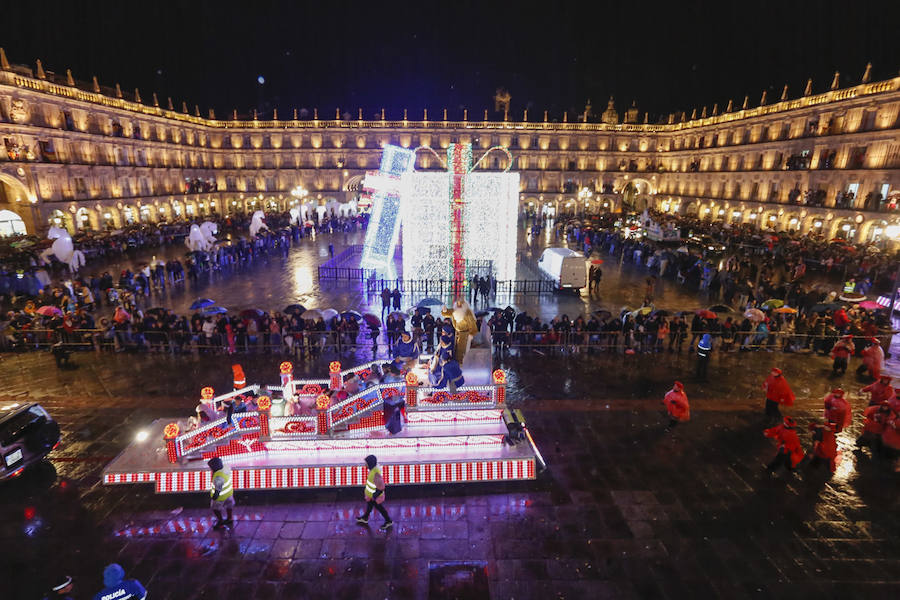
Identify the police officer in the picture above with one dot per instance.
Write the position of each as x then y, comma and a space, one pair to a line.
119, 588
221, 493
704, 349
374, 495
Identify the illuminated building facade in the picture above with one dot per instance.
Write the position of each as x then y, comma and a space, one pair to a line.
90, 157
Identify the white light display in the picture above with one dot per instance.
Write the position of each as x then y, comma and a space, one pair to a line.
489, 221
425, 214
490, 202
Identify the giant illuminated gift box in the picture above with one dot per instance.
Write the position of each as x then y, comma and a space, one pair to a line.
451, 221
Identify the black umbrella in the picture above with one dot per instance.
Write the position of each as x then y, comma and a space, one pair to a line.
156, 310
720, 308
820, 308
661, 313
423, 310
602, 314
294, 309
482, 313
351, 314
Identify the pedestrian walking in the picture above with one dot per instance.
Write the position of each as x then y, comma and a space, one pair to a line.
882, 392
873, 359
778, 392
704, 350
374, 494
825, 449
790, 451
395, 296
116, 587
221, 493
837, 410
841, 353
676, 402
385, 302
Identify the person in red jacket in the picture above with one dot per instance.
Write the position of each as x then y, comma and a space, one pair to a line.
876, 417
873, 359
825, 449
837, 410
677, 406
882, 392
841, 353
890, 437
790, 451
778, 392
841, 320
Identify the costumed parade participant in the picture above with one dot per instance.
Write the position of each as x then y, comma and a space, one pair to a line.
890, 437
116, 587
778, 392
876, 417
825, 449
677, 406
790, 452
882, 392
841, 353
222, 493
873, 359
449, 375
374, 494
837, 410
406, 351
465, 326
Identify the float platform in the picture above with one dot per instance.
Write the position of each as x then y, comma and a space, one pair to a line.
447, 437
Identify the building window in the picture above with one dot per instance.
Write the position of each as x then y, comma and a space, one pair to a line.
11, 224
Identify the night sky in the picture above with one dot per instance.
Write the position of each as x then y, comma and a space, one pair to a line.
668, 56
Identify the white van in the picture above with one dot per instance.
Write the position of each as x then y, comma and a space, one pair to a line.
565, 267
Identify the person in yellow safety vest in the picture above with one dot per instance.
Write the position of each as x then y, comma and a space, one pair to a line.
374, 494
221, 493
850, 286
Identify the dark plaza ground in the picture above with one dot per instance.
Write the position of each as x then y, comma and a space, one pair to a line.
624, 510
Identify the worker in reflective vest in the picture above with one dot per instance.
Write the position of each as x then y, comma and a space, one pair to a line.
374, 494
850, 286
221, 493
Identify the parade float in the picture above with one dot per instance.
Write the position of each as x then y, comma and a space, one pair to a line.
314, 433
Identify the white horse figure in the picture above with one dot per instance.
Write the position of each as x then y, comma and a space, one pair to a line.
196, 240
63, 249
258, 223
295, 216
209, 230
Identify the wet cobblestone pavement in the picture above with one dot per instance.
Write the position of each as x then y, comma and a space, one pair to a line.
625, 510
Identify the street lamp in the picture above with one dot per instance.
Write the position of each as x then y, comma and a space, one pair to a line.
299, 193
585, 194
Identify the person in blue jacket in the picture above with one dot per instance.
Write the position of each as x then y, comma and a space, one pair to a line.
405, 350
449, 375
119, 588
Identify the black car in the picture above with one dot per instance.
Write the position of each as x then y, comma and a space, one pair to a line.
27, 435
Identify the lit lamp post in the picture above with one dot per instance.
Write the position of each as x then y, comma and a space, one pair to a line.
299, 193
585, 194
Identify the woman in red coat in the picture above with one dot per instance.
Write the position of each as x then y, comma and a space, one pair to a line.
677, 406
876, 417
825, 449
882, 392
777, 392
837, 410
790, 451
890, 437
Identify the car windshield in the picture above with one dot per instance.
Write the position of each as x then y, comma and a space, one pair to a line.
13, 428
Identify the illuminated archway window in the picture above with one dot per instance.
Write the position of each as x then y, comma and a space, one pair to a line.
11, 224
